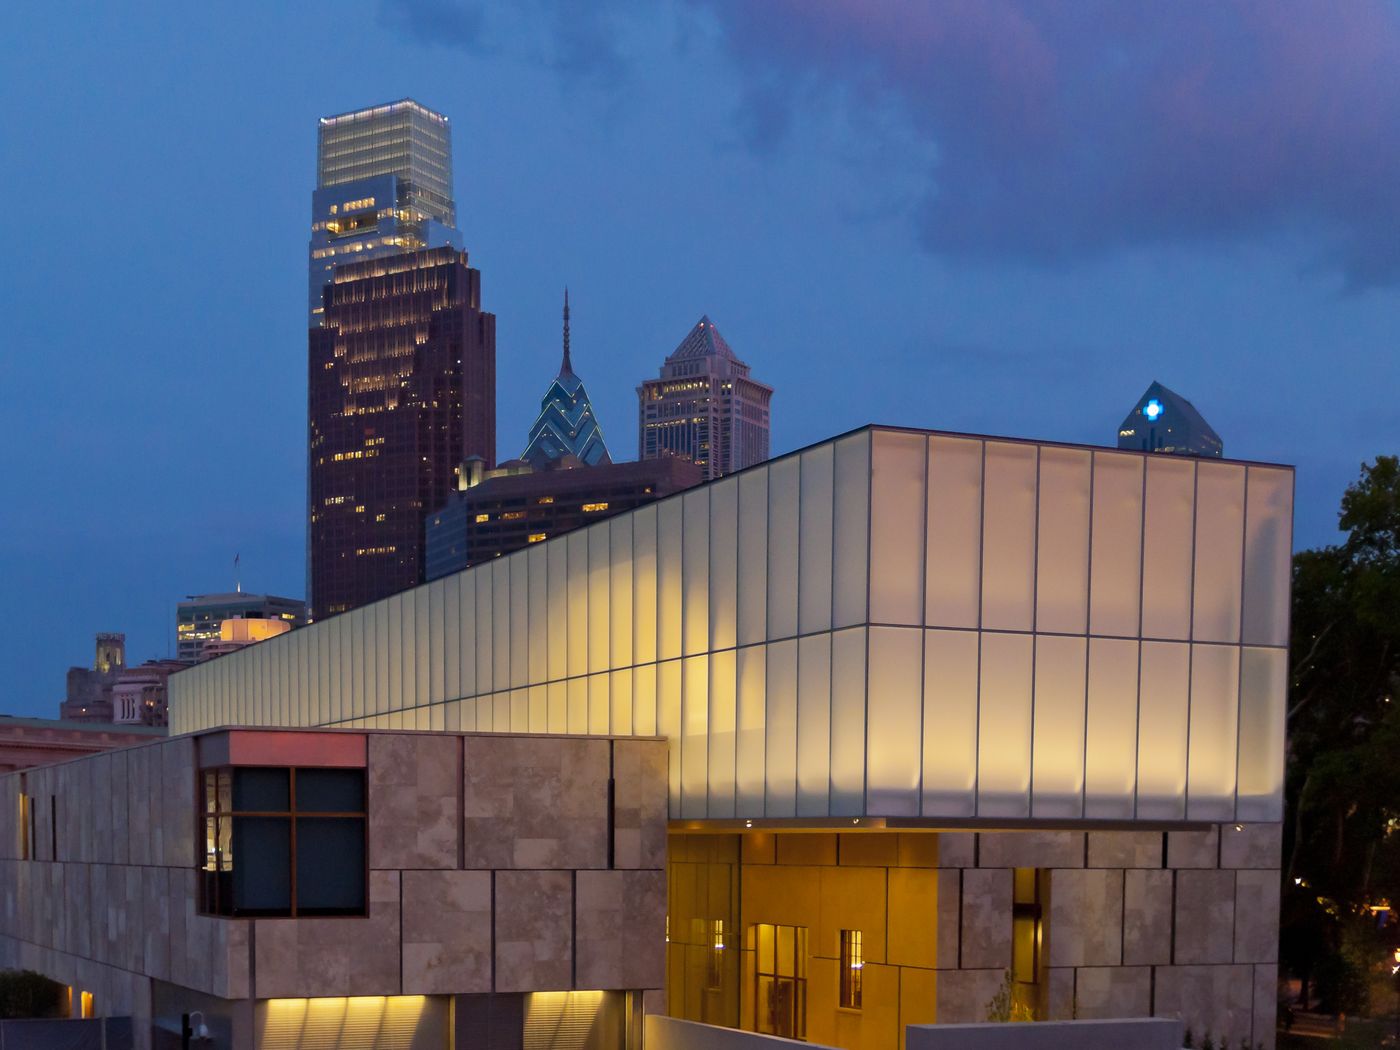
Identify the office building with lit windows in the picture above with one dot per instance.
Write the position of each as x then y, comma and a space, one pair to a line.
704, 407
402, 389
199, 617
1164, 421
383, 186
935, 712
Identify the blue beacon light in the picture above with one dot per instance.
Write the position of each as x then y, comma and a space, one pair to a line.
1152, 410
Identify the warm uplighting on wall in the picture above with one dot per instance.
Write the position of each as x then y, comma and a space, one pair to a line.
85, 1005
356, 1020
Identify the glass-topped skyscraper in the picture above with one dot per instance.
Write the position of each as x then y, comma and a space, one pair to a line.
383, 186
1164, 421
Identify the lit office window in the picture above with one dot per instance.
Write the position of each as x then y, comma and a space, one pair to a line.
284, 841
715, 974
852, 969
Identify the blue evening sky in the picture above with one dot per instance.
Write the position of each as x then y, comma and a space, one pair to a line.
843, 214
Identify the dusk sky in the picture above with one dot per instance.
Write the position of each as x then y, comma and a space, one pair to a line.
976, 215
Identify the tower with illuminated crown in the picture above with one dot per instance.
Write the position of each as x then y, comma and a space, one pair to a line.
1164, 421
566, 425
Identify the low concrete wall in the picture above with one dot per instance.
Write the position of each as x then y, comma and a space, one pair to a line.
1155, 1033
667, 1033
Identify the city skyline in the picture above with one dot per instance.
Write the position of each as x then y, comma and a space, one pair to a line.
1247, 325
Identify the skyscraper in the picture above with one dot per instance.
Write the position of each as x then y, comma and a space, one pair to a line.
402, 389
704, 407
198, 617
1164, 421
566, 425
383, 186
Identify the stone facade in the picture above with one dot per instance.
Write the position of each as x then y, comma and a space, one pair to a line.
1178, 924
491, 871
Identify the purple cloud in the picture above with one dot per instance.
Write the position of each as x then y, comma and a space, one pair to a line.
1066, 130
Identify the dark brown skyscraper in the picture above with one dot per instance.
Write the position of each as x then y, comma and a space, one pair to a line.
402, 388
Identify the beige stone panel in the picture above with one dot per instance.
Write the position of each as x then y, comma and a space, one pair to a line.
913, 917
1218, 1000
446, 932
1256, 916
535, 802
119, 802
414, 819
96, 916
1059, 994
97, 800
957, 849
1193, 849
1031, 849
949, 918
986, 919
1205, 917
130, 954
639, 803
1125, 849
963, 995
786, 896
177, 802
9, 816
1113, 991
851, 899
1253, 846
236, 981
156, 922
275, 959
138, 829
1085, 926
822, 1022
1265, 1004
181, 883
620, 921
759, 847
918, 997
534, 934
918, 849
806, 848
876, 1025
1147, 917
871, 849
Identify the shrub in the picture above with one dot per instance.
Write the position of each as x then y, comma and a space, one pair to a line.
24, 993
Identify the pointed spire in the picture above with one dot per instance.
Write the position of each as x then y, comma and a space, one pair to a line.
567, 368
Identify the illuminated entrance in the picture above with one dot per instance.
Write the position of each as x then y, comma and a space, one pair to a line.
780, 979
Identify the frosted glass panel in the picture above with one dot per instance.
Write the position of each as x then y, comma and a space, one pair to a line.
644, 700
1162, 712
557, 637
722, 725
783, 495
452, 640
539, 709
668, 723
577, 644
814, 546
485, 629
1267, 549
1219, 552
393, 640
1008, 537
1004, 739
813, 725
381, 644
620, 602
519, 576
950, 723
1110, 734
954, 542
695, 576
576, 695
1116, 577
1057, 786
897, 479
519, 710
557, 706
851, 530
599, 593
1168, 527
781, 726
848, 722
644, 585
434, 629
599, 705
724, 562
1062, 552
538, 567
1263, 692
501, 632
894, 705
694, 743
1215, 713
750, 742
466, 635
620, 698
753, 556
669, 538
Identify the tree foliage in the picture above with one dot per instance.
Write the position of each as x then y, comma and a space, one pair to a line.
24, 993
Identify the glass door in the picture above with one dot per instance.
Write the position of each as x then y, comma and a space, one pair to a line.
780, 967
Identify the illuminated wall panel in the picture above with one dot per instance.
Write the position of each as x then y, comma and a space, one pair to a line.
894, 623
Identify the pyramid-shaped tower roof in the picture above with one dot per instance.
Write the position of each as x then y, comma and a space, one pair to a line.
1163, 420
703, 340
566, 425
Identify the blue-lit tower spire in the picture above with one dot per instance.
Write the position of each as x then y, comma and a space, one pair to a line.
566, 425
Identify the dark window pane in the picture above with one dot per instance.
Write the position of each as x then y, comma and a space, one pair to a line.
262, 874
330, 791
262, 790
330, 865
